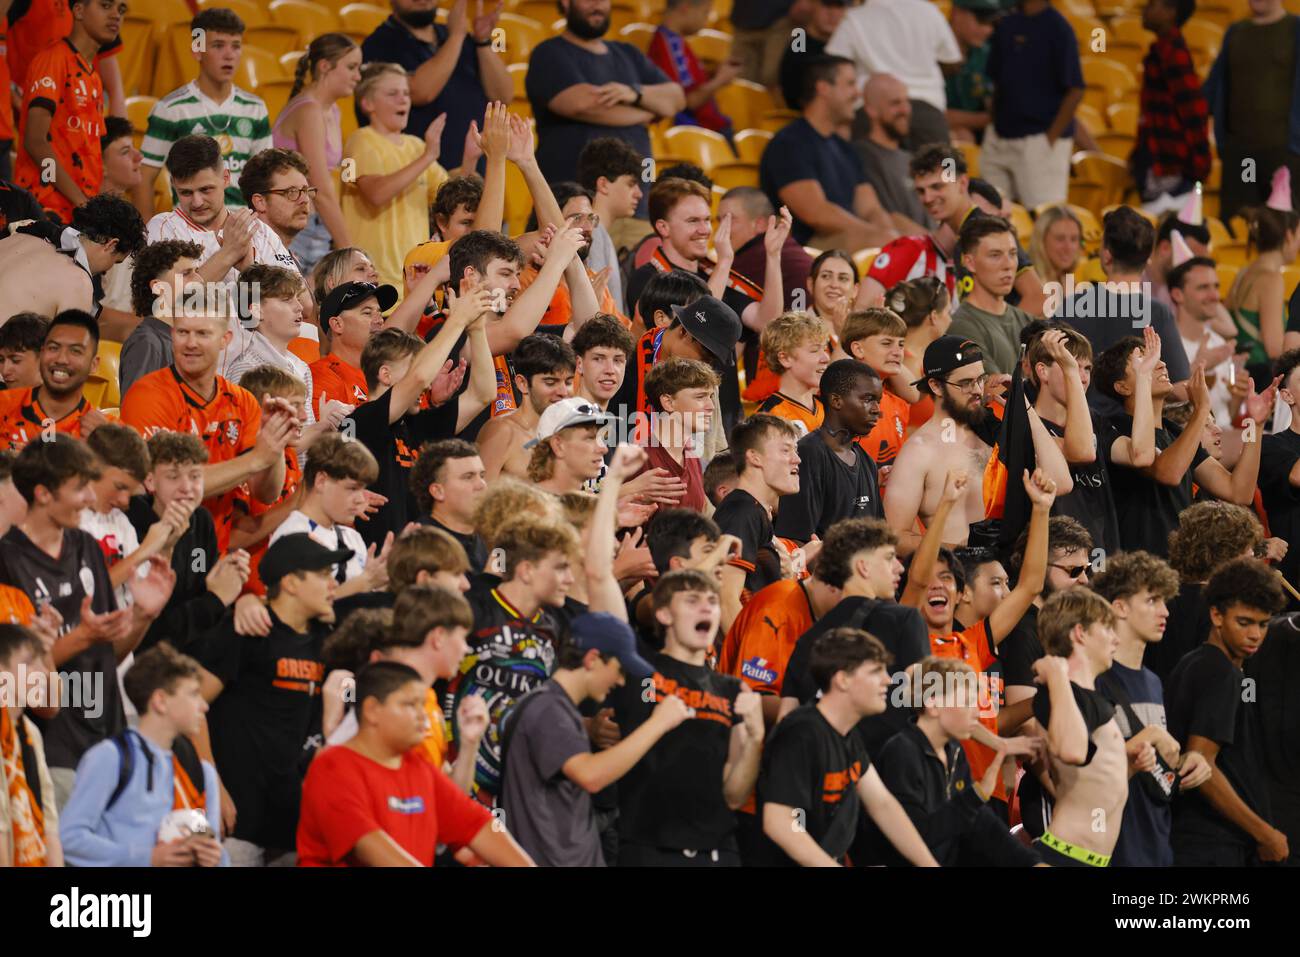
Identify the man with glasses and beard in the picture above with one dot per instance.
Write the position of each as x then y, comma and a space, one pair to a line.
582, 87
454, 69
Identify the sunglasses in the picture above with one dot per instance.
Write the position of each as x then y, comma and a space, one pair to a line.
1074, 571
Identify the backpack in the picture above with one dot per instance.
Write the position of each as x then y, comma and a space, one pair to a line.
509, 722
182, 748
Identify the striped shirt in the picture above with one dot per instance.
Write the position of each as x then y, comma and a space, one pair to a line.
241, 125
267, 247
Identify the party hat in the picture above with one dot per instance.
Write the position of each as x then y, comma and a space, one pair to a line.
1280, 198
1181, 251
1192, 214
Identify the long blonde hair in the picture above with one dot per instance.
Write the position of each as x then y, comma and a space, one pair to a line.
1037, 244
326, 48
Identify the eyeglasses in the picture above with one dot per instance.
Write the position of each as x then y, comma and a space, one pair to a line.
291, 193
584, 219
968, 385
1074, 571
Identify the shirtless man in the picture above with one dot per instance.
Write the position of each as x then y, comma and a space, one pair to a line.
958, 437
1088, 759
544, 367
36, 276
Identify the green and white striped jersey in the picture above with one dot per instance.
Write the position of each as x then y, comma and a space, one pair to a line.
241, 125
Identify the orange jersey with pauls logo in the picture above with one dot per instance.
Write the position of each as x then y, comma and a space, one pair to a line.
227, 423
883, 442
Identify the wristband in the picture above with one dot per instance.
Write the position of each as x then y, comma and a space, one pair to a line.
637, 101
483, 43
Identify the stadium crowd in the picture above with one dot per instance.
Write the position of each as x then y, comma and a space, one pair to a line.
474, 480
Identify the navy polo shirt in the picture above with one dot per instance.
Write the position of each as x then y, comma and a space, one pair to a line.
462, 99
799, 152
554, 66
1033, 62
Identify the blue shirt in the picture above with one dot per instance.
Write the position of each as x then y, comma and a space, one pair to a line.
1033, 63
462, 99
799, 152
95, 835
1144, 832
554, 66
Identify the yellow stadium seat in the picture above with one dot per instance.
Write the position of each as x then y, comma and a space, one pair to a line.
308, 18
137, 111
1202, 36
1115, 143
1123, 117
347, 118
162, 12
711, 47
1127, 55
1216, 175
253, 15
1219, 235
1290, 279
1079, 8
1023, 222
543, 11
519, 73
664, 161
1211, 202
751, 143
362, 17
139, 54
971, 151
519, 201
175, 64
258, 66
276, 94
1219, 12
745, 102
702, 147
1113, 81
289, 61
1091, 116
1128, 30
1110, 172
863, 259
1083, 27
620, 15
717, 193
521, 35
776, 120
276, 38
1089, 271
638, 34
102, 385
733, 174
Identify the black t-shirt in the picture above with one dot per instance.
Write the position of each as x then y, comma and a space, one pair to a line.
1091, 502
742, 515
1187, 628
473, 543
1276, 670
509, 655
1020, 649
266, 723
1095, 707
672, 798
1207, 696
829, 490
1278, 456
1104, 317
192, 610
80, 570
1147, 510
900, 629
813, 769
396, 446
16, 206
799, 152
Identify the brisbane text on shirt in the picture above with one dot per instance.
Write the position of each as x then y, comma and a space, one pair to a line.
1092, 300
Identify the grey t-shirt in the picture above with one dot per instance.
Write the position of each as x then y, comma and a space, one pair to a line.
604, 254
888, 172
549, 815
997, 336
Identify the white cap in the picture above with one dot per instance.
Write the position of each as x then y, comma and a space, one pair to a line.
566, 414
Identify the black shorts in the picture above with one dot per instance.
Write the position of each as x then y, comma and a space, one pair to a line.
641, 855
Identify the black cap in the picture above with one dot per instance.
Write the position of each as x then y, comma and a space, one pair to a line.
349, 295
947, 353
714, 325
298, 552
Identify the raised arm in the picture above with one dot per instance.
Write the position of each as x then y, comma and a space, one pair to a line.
1138, 450
744, 750
379, 190
1048, 453
526, 311
596, 770
430, 79
1239, 485
1067, 732
927, 553
773, 303
1079, 444
463, 310
1172, 464
1042, 493
603, 593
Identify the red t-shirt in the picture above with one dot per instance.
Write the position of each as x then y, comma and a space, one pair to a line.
347, 795
689, 471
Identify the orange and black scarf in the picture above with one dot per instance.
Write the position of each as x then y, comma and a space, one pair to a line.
26, 815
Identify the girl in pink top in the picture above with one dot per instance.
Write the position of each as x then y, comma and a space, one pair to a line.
309, 123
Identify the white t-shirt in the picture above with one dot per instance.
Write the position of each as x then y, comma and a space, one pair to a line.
905, 38
117, 539
1220, 394
249, 349
340, 536
267, 248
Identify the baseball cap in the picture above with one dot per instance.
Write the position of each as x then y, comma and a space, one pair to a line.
298, 552
947, 353
610, 636
713, 324
565, 414
979, 6
349, 295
